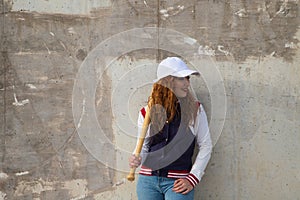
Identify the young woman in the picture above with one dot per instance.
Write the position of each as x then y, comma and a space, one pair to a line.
178, 122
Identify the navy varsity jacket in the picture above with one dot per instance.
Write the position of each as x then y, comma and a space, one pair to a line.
168, 157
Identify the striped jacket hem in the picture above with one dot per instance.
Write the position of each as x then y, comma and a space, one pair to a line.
173, 174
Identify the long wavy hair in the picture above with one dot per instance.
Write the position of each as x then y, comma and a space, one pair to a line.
163, 104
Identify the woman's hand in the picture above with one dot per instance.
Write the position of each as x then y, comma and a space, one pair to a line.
134, 161
182, 186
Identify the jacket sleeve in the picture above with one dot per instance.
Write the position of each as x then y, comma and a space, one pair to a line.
204, 144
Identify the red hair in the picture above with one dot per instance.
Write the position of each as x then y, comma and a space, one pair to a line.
163, 95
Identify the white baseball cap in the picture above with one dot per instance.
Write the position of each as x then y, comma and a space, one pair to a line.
173, 66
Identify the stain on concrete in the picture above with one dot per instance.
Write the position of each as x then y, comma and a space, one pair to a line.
65, 7
81, 54
39, 140
244, 29
259, 28
5, 6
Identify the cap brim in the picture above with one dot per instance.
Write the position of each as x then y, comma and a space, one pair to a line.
185, 73
182, 73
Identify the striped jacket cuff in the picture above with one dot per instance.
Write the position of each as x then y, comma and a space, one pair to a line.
192, 179
145, 171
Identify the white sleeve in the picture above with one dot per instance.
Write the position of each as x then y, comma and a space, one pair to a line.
140, 123
204, 144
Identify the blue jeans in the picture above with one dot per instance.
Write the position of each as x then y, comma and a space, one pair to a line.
159, 188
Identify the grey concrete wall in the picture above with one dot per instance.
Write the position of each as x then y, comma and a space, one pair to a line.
60, 140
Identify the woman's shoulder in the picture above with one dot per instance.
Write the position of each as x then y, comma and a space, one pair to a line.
200, 107
143, 110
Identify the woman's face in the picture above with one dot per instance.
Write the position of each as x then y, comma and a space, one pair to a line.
181, 86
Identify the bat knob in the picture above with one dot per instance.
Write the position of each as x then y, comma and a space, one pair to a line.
130, 177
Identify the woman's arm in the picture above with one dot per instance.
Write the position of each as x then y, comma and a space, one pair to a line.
204, 144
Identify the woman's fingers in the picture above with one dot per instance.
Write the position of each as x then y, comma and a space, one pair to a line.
182, 186
134, 161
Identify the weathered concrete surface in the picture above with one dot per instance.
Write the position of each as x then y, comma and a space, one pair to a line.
253, 44
70, 7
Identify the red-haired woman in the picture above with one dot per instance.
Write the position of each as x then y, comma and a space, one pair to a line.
178, 123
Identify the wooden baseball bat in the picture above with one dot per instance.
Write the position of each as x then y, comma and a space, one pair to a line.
140, 143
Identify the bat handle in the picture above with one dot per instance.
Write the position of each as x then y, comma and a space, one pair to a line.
139, 146
130, 176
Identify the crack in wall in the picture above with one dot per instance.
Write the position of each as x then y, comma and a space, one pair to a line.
3, 84
5, 64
